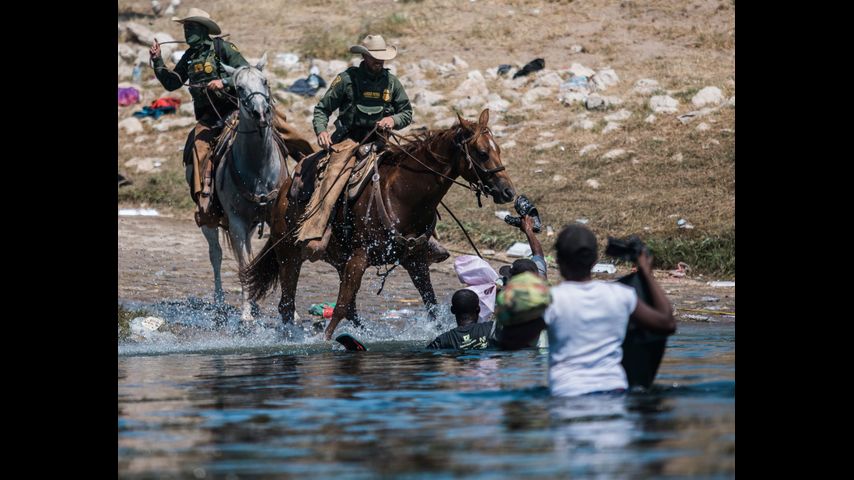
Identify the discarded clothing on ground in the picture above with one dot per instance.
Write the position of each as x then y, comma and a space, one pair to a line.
307, 87
532, 66
159, 107
128, 96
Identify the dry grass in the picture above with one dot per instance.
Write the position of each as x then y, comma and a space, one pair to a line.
684, 46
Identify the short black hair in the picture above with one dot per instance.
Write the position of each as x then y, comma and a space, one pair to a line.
465, 301
523, 265
576, 249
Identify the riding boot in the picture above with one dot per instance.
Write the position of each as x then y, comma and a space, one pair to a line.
315, 249
207, 184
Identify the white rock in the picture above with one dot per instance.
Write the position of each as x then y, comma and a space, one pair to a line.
702, 127
549, 79
576, 49
615, 153
547, 145
460, 63
677, 157
164, 125
611, 126
146, 165
650, 118
605, 78
619, 116
595, 102
645, 86
569, 98
426, 98
581, 70
587, 149
708, 95
496, 104
139, 34
584, 124
663, 104
131, 125
127, 53
592, 183
473, 86
531, 97
558, 178
144, 325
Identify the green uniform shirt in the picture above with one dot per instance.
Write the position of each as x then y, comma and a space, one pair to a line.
363, 99
200, 65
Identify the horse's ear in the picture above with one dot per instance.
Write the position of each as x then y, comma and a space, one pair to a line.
460, 119
262, 63
484, 118
229, 70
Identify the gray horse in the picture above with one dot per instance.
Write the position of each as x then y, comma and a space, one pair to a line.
248, 177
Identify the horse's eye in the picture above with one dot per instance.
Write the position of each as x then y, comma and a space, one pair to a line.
483, 155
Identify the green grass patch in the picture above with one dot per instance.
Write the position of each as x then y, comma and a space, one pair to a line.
168, 188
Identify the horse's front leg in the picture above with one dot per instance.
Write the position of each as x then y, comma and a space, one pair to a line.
215, 253
239, 233
419, 272
352, 280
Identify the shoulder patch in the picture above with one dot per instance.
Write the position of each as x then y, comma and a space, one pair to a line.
335, 82
233, 46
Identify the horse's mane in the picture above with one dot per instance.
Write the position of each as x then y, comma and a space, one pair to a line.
421, 144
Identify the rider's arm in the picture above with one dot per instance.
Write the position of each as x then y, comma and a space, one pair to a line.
402, 108
330, 102
233, 58
171, 79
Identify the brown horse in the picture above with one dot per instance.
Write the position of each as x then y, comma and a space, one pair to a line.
389, 222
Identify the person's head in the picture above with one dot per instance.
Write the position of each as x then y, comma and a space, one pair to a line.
198, 26
576, 252
195, 32
521, 265
465, 306
374, 52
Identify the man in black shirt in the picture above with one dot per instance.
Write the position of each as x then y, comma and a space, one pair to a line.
469, 334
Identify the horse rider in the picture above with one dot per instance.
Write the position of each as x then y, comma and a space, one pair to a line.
366, 96
213, 96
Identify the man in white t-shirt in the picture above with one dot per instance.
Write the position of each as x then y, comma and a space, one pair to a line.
587, 319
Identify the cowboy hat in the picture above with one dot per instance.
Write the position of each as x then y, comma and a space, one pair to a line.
374, 45
200, 16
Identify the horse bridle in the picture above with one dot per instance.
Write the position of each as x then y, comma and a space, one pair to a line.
245, 101
479, 187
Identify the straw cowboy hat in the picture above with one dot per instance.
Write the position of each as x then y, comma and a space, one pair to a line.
200, 16
374, 45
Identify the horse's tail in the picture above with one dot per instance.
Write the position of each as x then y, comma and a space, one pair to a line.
259, 276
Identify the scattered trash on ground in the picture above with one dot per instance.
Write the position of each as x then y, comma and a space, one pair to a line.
604, 268
530, 67
128, 96
519, 249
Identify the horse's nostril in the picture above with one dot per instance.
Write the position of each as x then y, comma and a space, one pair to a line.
510, 193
